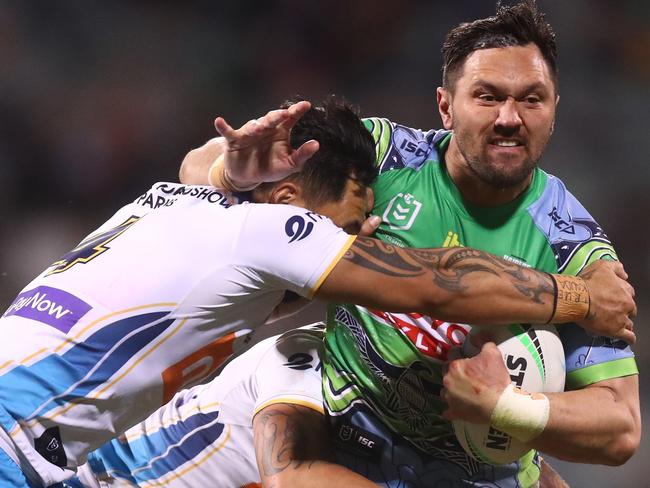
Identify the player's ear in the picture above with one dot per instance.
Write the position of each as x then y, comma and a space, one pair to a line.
443, 97
557, 100
286, 193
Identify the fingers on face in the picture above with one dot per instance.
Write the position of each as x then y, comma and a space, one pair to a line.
370, 225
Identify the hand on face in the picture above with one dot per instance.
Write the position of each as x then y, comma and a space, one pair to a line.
472, 386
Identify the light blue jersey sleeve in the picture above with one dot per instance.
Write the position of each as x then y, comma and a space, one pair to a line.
398, 146
577, 241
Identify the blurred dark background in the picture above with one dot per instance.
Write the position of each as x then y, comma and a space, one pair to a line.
101, 99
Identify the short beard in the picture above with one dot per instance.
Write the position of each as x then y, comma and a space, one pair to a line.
498, 179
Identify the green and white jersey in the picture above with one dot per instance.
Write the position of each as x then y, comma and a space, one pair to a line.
393, 362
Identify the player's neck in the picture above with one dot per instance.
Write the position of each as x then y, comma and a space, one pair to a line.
472, 188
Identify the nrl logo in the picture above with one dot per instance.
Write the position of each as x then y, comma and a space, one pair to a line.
402, 211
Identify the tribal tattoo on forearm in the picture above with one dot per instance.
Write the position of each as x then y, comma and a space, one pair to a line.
279, 444
448, 266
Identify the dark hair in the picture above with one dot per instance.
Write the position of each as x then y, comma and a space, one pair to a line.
515, 25
347, 150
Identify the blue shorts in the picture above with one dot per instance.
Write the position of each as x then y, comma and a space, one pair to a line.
11, 474
365, 445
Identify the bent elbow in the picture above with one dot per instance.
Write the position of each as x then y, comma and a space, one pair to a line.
185, 172
623, 448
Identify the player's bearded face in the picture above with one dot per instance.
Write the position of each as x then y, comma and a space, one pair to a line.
503, 111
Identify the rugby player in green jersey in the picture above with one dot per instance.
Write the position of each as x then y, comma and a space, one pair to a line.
475, 184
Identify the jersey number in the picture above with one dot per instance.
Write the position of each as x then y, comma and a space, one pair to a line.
91, 247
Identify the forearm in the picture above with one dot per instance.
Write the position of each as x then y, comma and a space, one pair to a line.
196, 164
456, 284
317, 474
599, 424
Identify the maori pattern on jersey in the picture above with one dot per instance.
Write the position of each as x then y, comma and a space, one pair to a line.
578, 254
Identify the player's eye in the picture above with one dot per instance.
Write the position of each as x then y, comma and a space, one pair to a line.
487, 97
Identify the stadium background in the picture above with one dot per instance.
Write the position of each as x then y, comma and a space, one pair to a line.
99, 100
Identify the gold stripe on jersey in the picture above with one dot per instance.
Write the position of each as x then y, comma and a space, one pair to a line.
113, 314
291, 401
193, 463
151, 429
73, 403
74, 339
141, 358
331, 266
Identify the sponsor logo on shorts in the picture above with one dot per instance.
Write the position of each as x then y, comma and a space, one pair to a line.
402, 211
51, 306
299, 361
50, 447
360, 441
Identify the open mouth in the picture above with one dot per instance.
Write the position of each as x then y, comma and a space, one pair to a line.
506, 143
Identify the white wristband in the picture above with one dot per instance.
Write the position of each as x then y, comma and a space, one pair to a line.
521, 414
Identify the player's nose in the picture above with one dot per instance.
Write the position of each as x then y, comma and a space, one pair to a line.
508, 117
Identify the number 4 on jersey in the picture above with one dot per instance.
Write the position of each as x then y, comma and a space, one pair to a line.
91, 248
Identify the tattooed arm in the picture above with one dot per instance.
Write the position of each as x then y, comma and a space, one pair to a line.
463, 284
291, 450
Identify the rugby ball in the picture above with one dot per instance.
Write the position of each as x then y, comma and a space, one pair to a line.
534, 357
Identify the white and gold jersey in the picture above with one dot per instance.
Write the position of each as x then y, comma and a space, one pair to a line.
204, 435
152, 302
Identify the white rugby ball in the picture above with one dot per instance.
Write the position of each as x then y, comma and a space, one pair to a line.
534, 357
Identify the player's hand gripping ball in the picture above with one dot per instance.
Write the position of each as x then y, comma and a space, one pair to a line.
534, 357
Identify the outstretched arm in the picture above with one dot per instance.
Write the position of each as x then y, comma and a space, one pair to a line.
292, 449
454, 284
471, 286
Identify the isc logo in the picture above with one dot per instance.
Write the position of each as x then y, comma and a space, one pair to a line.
408, 141
364, 441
